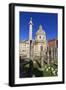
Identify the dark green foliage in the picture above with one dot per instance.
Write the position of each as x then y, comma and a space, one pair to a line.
28, 68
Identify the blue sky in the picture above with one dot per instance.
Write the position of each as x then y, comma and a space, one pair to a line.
49, 22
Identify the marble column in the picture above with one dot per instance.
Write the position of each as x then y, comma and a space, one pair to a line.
48, 59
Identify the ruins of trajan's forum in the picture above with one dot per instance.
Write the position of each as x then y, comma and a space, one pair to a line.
40, 47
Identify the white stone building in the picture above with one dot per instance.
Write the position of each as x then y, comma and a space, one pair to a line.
24, 49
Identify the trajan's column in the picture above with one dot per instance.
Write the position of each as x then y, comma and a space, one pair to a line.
30, 36
30, 29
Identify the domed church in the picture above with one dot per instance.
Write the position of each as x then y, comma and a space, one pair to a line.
40, 43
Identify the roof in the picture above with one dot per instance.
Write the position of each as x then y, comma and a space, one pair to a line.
40, 31
53, 42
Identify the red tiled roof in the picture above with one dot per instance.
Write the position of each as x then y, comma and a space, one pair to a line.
52, 43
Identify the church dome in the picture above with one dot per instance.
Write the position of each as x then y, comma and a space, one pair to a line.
40, 31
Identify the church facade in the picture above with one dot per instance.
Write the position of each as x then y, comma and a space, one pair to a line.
39, 47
